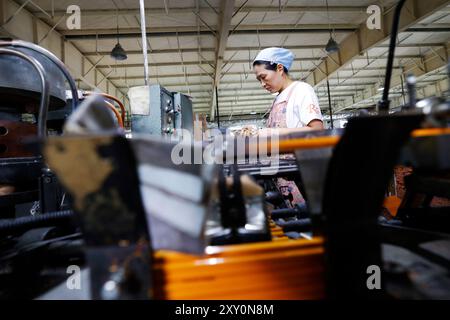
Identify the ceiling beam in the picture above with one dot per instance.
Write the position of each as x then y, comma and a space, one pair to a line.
229, 99
62, 39
233, 49
226, 14
177, 75
251, 106
111, 33
431, 62
253, 89
154, 51
364, 39
243, 27
204, 10
2, 12
263, 105
203, 88
429, 29
265, 97
158, 64
248, 82
300, 59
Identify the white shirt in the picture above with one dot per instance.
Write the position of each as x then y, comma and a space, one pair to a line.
303, 105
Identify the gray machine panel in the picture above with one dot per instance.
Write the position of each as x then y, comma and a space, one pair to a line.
184, 118
168, 111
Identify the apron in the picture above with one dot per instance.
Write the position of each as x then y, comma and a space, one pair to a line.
277, 119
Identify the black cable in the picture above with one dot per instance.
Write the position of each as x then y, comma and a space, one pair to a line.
403, 90
217, 109
25, 223
383, 104
329, 104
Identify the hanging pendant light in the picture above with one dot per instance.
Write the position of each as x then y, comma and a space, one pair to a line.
118, 53
332, 45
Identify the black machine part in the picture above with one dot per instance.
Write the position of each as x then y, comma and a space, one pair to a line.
298, 225
20, 84
313, 166
236, 213
18, 225
51, 57
20, 171
350, 222
274, 197
299, 211
232, 202
24, 59
383, 104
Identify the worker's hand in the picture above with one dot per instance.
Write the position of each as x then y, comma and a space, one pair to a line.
6, 189
248, 131
266, 132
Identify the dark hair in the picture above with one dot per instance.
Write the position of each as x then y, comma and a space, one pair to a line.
268, 65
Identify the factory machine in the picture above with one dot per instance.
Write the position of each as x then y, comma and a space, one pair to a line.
157, 111
32, 87
35, 104
216, 232
140, 225
37, 224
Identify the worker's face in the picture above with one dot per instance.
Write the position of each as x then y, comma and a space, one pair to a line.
270, 80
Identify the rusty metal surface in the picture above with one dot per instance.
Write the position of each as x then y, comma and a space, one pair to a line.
13, 135
100, 174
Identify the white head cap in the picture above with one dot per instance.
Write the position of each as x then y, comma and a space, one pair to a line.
276, 55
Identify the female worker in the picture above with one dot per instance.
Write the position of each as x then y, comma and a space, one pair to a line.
296, 107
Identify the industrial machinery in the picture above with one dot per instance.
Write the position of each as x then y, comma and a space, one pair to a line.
240, 214
157, 111
34, 207
314, 246
147, 227
32, 84
310, 248
34, 104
